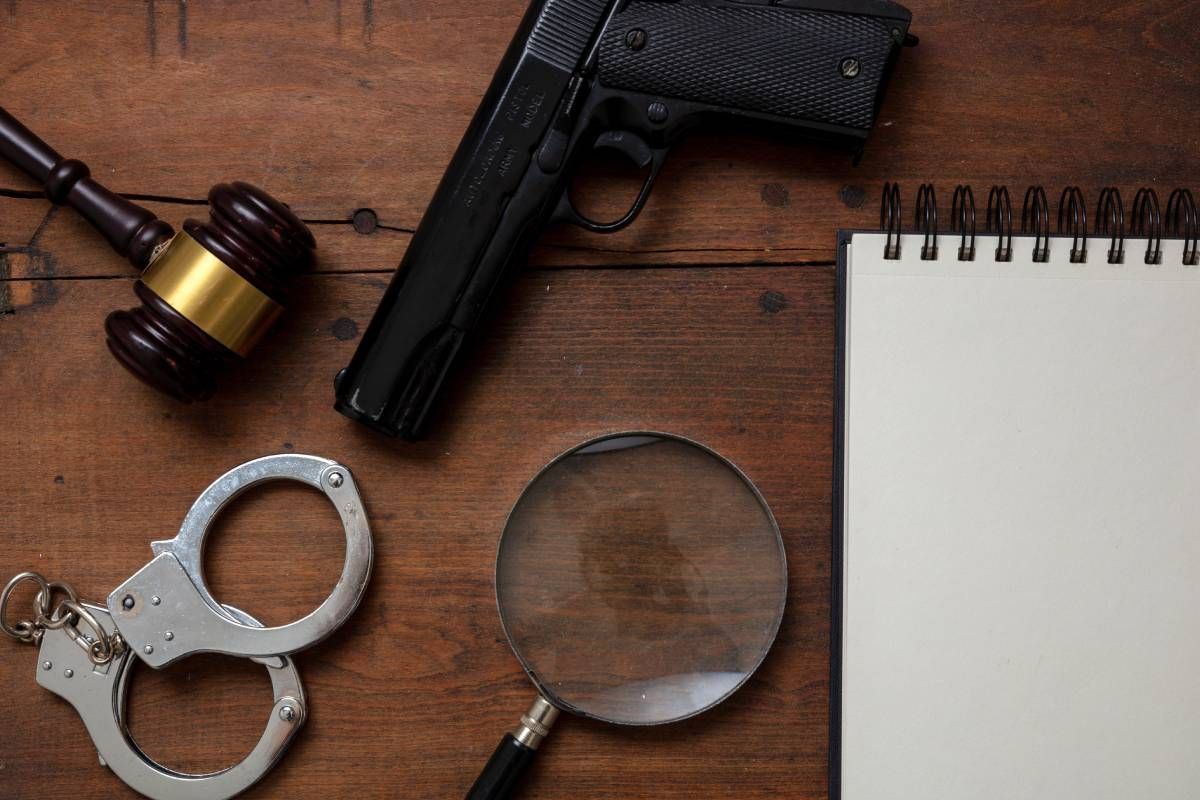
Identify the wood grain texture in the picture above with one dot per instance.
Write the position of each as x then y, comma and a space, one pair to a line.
338, 105
342, 105
412, 695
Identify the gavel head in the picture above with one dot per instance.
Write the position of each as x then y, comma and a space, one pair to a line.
211, 291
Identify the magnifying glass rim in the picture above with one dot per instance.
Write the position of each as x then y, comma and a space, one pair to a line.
552, 697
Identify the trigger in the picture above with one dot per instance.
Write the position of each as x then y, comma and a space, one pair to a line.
627, 144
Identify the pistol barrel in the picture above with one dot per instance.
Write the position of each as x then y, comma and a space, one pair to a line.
491, 204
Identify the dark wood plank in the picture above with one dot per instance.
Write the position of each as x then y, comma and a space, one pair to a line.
337, 105
415, 692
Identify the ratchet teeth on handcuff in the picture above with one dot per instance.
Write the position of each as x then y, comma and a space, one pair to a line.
165, 612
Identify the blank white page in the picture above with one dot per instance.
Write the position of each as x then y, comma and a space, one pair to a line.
1021, 585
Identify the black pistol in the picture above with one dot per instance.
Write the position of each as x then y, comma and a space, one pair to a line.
630, 76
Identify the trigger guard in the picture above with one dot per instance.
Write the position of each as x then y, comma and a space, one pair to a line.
185, 607
98, 696
634, 148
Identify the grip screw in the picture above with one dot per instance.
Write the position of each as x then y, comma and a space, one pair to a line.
636, 39
850, 67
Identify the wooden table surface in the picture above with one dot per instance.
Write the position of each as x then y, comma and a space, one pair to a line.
712, 317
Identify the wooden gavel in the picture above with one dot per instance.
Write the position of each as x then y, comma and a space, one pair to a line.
208, 294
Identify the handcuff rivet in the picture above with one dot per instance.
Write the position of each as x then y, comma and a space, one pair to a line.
155, 600
70, 673
148, 649
169, 636
47, 665
287, 713
335, 479
127, 602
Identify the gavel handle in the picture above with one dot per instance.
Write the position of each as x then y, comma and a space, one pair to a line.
133, 231
19, 145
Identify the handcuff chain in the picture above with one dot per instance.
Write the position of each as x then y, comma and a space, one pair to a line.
65, 615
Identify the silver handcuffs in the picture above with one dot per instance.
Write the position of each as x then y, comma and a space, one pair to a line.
165, 612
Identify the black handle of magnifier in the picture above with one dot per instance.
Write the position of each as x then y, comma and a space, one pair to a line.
503, 772
512, 758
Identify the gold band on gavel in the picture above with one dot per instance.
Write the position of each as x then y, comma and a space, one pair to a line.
212, 296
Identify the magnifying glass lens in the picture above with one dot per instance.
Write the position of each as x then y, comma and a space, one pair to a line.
641, 579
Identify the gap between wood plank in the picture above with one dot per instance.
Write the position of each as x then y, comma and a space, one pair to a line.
22, 194
816, 264
25, 194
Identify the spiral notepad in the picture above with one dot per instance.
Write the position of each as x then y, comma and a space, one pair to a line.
1017, 547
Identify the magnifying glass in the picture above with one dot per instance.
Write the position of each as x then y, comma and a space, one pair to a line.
641, 579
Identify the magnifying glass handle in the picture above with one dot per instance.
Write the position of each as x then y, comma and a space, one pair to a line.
504, 769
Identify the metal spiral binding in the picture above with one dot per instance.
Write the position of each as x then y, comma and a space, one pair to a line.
963, 212
1000, 221
927, 221
890, 220
1072, 221
1035, 219
1147, 221
1110, 221
1183, 221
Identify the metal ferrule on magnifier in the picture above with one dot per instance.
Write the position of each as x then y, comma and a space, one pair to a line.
536, 723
